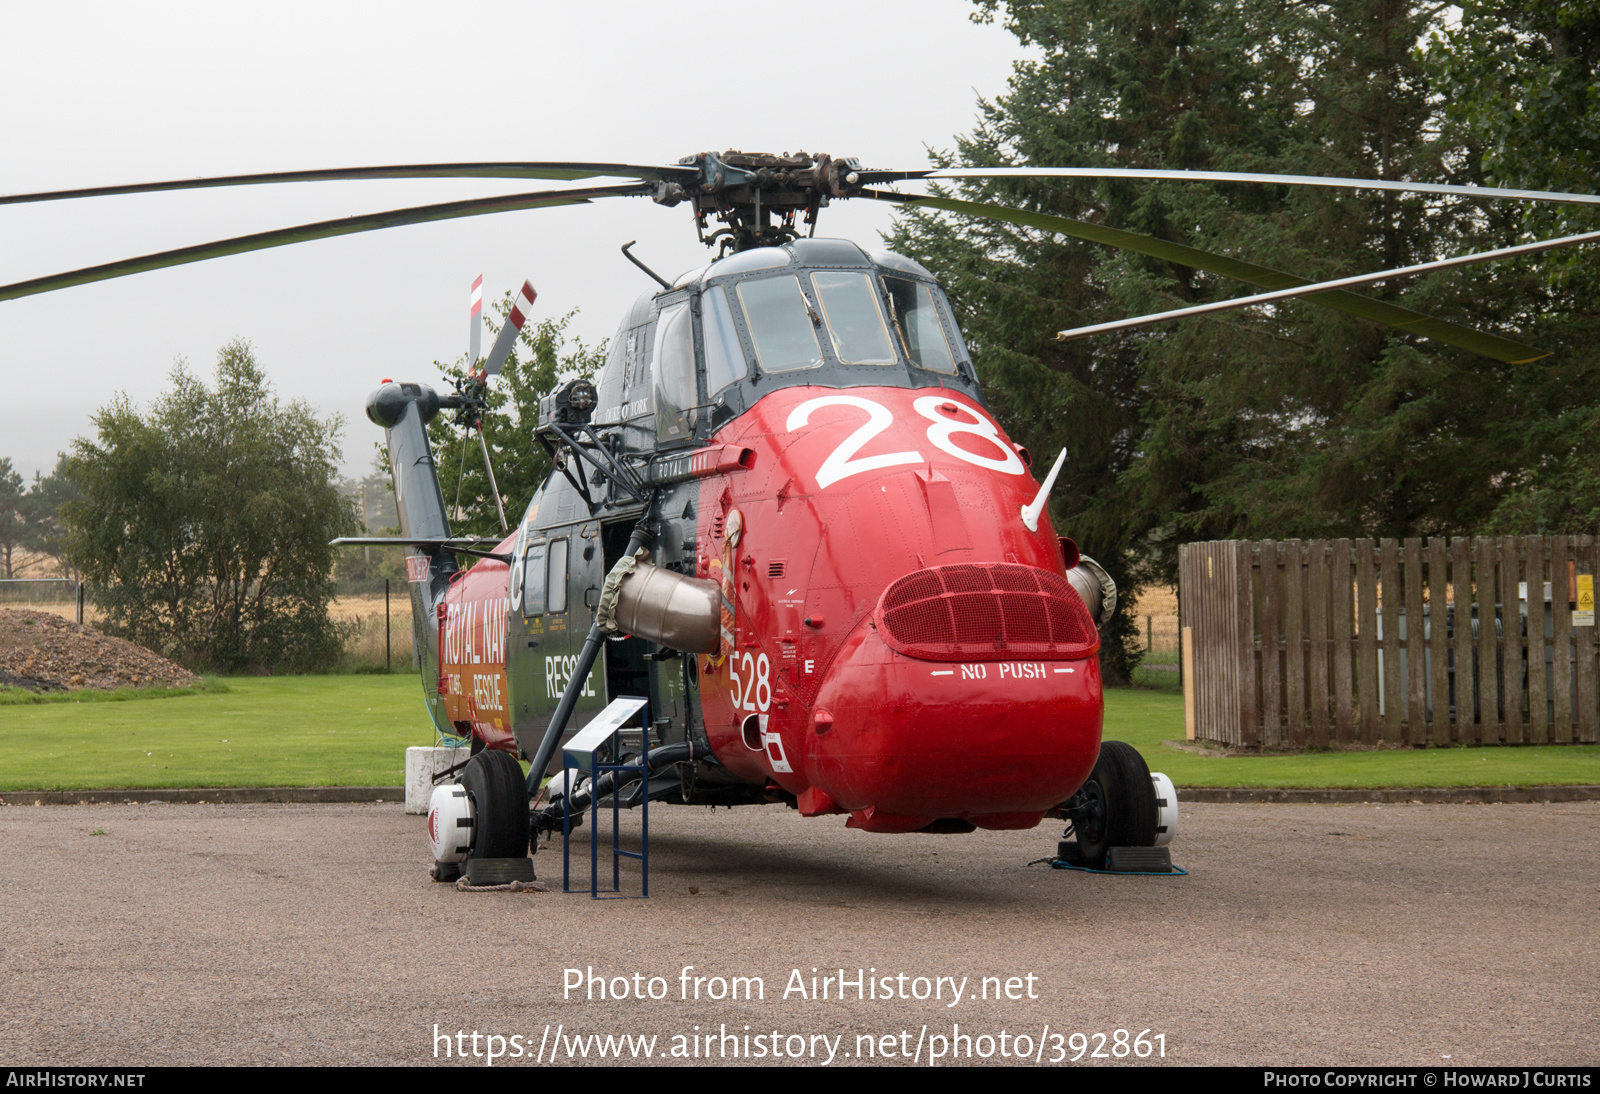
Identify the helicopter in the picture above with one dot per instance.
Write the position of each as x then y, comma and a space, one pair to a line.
783, 513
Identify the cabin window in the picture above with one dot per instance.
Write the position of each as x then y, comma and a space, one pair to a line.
916, 318
532, 587
557, 598
674, 364
855, 321
725, 361
782, 324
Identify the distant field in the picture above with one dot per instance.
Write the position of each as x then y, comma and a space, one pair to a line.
365, 617
1155, 613
354, 730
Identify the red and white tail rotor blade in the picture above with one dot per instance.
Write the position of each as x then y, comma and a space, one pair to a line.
521, 308
475, 324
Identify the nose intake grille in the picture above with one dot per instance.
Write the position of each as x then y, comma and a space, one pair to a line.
986, 613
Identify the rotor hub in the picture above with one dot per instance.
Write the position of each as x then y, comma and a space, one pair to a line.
758, 197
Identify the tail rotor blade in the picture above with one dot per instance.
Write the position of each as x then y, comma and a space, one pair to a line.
475, 323
521, 308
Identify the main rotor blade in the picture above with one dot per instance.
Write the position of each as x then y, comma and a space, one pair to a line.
1324, 286
557, 171
421, 214
871, 177
1481, 342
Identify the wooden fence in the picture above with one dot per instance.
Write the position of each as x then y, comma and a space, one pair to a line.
1361, 642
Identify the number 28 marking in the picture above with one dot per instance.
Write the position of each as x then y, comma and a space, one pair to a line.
842, 461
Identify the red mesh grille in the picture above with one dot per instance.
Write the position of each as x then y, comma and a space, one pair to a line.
1018, 579
918, 586
986, 613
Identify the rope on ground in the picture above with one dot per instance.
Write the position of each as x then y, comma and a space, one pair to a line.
465, 886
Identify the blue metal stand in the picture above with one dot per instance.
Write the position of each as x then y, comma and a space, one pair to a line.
583, 753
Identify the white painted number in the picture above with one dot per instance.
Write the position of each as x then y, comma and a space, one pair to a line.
839, 465
753, 691
841, 462
940, 431
763, 683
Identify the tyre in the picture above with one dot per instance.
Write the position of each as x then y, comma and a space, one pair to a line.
1120, 804
500, 800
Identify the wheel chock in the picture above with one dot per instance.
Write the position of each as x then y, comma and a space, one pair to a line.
499, 871
1139, 860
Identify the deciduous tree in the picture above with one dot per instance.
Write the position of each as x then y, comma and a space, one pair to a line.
203, 524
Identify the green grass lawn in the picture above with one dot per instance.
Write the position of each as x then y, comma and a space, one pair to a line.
1146, 716
353, 731
261, 731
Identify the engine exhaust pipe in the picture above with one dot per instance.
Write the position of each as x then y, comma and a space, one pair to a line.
1098, 590
681, 613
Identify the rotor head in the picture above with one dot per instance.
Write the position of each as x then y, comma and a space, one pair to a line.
757, 196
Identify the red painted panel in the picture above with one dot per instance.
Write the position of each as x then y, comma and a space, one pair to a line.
472, 651
852, 490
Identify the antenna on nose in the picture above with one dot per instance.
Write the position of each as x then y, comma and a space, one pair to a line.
1031, 511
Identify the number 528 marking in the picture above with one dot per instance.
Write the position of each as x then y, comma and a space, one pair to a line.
753, 689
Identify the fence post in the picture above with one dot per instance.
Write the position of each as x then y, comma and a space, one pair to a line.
1341, 613
388, 640
1367, 638
80, 602
1438, 643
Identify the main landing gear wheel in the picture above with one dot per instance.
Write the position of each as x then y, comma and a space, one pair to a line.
1116, 807
499, 795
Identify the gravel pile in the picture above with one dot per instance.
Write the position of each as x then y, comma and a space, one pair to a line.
44, 652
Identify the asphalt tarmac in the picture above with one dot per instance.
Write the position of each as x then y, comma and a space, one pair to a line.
1431, 935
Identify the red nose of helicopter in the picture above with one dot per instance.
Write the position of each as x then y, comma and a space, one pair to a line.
971, 697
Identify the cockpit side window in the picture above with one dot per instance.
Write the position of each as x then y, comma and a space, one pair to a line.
676, 397
725, 361
781, 324
556, 600
854, 319
916, 318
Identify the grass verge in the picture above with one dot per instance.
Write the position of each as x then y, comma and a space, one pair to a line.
353, 731
259, 731
1147, 715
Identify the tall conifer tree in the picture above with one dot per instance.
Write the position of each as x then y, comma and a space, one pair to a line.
1280, 421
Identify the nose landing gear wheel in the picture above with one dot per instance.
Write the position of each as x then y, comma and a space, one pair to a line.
1116, 807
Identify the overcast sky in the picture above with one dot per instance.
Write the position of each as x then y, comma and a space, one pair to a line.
104, 93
